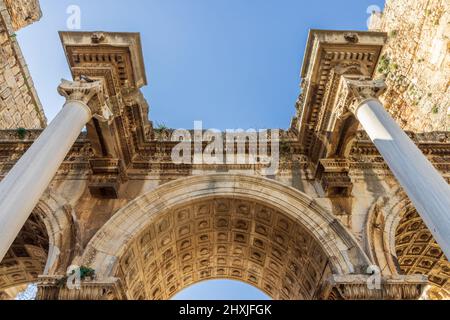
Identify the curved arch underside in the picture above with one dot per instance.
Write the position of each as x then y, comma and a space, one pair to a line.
223, 238
26, 258
418, 253
223, 226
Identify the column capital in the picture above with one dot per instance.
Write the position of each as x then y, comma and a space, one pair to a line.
353, 92
91, 94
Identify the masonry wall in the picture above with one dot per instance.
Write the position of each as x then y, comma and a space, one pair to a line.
19, 103
416, 62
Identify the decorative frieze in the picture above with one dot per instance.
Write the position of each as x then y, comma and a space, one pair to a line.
373, 287
55, 288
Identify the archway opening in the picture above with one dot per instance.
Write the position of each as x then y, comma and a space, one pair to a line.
418, 253
221, 289
223, 238
26, 258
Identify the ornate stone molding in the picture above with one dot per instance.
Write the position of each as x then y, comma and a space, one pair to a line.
50, 288
353, 91
91, 93
364, 287
309, 214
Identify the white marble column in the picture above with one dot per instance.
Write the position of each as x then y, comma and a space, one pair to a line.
424, 185
26, 182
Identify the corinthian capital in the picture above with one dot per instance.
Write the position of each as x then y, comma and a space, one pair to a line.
90, 93
354, 91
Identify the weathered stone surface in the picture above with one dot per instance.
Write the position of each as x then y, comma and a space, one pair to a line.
416, 62
19, 103
23, 12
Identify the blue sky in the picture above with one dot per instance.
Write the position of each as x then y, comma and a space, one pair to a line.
221, 290
230, 63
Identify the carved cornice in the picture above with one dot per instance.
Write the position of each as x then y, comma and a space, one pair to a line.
91, 94
329, 55
322, 121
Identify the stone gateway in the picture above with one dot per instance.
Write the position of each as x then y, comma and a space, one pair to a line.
357, 208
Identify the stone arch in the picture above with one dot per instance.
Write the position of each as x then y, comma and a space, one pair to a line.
258, 221
63, 232
34, 252
400, 243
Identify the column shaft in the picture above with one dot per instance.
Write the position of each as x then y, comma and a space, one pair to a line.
24, 185
425, 186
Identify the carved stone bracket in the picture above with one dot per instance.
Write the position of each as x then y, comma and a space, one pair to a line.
334, 177
90, 93
366, 287
108, 175
355, 90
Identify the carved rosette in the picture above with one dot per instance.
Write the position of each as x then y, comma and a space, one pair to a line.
354, 91
91, 93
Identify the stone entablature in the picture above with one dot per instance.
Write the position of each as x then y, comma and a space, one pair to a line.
114, 61
329, 56
354, 287
155, 154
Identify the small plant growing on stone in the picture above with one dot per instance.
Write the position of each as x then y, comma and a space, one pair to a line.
393, 33
161, 126
21, 132
86, 272
435, 109
384, 65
